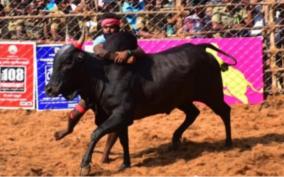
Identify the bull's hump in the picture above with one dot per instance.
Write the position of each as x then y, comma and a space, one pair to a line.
121, 41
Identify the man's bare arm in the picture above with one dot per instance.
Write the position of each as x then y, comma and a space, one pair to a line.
103, 53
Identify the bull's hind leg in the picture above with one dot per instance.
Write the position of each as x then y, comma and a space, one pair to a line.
191, 113
223, 110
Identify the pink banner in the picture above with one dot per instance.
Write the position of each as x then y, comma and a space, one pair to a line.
243, 83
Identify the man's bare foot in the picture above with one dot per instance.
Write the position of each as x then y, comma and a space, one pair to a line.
60, 134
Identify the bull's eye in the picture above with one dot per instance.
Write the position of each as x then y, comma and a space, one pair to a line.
67, 64
66, 67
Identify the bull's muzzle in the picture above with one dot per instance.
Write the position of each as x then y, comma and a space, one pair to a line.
51, 91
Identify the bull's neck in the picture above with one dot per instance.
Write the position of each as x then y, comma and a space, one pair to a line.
91, 77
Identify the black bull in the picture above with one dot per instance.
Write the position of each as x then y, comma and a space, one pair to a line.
158, 83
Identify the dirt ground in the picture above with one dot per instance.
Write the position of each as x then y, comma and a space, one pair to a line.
28, 147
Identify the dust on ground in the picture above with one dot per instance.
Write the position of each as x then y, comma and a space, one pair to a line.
28, 147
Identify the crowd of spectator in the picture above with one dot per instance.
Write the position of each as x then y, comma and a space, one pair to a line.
191, 18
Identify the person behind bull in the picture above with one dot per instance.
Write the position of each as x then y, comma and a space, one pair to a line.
110, 24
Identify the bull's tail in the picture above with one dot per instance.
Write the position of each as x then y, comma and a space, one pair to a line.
224, 66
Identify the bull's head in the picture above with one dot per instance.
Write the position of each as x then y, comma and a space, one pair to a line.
65, 69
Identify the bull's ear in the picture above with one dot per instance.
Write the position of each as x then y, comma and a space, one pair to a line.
80, 57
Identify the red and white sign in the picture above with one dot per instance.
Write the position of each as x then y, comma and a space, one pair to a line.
17, 78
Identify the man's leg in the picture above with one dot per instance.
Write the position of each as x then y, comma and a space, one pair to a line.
73, 118
111, 139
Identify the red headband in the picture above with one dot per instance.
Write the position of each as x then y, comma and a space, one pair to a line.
110, 21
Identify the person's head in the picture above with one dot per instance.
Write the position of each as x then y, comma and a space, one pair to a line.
110, 23
2, 13
110, 5
124, 25
32, 9
134, 2
226, 1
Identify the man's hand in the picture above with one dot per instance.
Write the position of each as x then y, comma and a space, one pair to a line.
100, 51
121, 56
131, 60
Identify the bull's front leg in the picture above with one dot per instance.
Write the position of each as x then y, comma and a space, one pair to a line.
73, 119
117, 122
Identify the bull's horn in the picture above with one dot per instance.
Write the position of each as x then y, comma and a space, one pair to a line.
83, 35
79, 44
67, 37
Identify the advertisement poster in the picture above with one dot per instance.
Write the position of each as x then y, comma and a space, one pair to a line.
243, 83
17, 78
45, 56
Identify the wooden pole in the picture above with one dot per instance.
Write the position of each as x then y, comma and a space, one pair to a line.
272, 48
96, 5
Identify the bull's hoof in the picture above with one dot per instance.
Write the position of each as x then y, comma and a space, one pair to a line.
228, 144
123, 167
175, 146
85, 171
105, 160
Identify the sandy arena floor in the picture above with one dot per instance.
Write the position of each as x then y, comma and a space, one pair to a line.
28, 147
